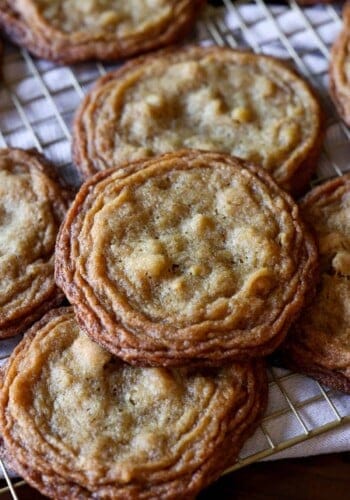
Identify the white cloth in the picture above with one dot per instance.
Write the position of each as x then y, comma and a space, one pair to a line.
42, 90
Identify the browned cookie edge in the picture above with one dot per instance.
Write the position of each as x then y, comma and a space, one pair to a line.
294, 353
99, 332
35, 160
296, 183
245, 418
64, 52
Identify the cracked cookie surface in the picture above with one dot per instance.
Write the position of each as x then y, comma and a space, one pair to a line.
79, 423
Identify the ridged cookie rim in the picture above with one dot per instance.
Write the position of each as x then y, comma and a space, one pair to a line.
54, 481
67, 52
294, 353
35, 160
297, 172
111, 335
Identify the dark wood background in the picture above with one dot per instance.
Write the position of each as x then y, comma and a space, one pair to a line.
324, 477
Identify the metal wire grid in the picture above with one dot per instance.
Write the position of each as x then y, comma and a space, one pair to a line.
37, 112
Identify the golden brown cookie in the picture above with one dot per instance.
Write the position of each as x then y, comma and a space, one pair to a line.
32, 206
73, 30
79, 423
215, 99
339, 73
319, 342
189, 258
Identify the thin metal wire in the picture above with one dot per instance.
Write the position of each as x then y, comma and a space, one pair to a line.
15, 485
214, 32
267, 436
45, 91
219, 32
241, 23
335, 15
297, 406
288, 443
322, 46
330, 402
24, 118
290, 403
303, 68
8, 481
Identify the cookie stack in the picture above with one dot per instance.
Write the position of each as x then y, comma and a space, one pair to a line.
183, 256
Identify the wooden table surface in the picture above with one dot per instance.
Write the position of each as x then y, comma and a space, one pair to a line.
324, 477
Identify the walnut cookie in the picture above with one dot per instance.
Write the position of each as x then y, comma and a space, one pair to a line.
69, 31
319, 342
79, 423
190, 258
32, 206
216, 99
339, 68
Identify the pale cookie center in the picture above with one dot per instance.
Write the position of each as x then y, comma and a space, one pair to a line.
108, 413
209, 105
27, 229
185, 246
119, 16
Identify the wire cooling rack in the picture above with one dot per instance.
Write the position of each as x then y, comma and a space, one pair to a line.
37, 103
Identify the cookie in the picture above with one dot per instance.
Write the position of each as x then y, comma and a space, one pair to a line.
79, 423
32, 206
69, 31
190, 258
319, 342
216, 99
339, 75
